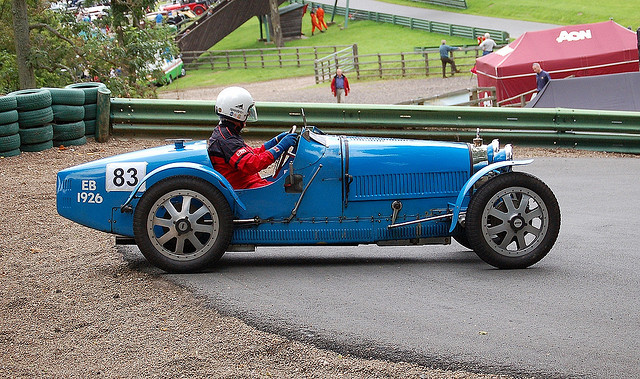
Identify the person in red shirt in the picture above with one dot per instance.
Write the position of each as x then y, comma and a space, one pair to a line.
238, 162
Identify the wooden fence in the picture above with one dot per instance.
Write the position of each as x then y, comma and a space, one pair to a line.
284, 57
392, 65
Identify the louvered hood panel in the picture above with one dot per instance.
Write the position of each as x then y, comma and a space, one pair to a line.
406, 169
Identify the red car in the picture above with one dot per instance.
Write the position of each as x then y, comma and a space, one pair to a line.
196, 6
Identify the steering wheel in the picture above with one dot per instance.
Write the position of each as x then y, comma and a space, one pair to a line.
282, 160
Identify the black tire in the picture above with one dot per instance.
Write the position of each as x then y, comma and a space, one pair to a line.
36, 135
67, 113
90, 90
11, 153
66, 96
183, 72
460, 236
9, 129
32, 99
90, 127
70, 131
35, 118
72, 142
8, 103
8, 143
90, 111
8, 117
513, 221
37, 147
216, 226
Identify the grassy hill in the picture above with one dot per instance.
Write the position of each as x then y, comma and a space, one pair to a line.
370, 36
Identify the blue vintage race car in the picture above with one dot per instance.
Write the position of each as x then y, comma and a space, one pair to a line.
328, 190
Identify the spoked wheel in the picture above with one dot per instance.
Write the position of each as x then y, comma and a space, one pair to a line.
513, 221
183, 224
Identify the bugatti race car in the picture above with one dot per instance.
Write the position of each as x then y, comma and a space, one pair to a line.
327, 190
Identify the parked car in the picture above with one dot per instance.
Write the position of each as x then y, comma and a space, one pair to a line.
172, 68
196, 6
327, 190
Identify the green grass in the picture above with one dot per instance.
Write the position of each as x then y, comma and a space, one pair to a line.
370, 36
564, 12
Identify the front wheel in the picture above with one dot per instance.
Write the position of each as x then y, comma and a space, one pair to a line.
182, 224
513, 221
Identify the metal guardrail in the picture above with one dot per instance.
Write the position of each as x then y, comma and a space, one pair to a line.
584, 129
464, 31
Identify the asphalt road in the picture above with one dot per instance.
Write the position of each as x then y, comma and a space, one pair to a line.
574, 314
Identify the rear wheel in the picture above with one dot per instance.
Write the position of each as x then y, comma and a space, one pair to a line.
183, 224
513, 221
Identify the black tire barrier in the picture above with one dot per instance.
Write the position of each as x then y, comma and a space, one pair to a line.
36, 135
35, 118
32, 99
9, 129
8, 143
66, 96
90, 127
8, 117
10, 153
67, 113
8, 103
70, 131
73, 142
36, 147
90, 90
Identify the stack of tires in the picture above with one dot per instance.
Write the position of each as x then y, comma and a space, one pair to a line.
9, 127
34, 118
90, 104
68, 116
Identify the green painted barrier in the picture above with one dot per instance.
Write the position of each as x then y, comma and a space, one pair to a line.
583, 129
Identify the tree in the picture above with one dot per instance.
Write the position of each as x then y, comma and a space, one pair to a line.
275, 22
26, 73
59, 48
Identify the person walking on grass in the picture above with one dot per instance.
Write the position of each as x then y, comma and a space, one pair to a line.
314, 22
320, 14
445, 58
339, 85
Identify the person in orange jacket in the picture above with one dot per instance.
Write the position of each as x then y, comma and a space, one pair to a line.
339, 85
320, 14
314, 22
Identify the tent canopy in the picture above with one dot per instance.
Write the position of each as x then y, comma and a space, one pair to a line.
575, 50
615, 92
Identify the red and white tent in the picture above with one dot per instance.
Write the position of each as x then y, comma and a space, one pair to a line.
575, 50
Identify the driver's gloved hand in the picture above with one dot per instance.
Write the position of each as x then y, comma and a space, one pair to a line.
287, 141
274, 141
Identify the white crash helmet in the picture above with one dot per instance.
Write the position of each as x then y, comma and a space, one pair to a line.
236, 103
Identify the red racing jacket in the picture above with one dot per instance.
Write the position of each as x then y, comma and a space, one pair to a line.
238, 162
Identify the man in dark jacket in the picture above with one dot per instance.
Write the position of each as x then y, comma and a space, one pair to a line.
239, 163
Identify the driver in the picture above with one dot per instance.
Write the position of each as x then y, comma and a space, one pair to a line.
230, 155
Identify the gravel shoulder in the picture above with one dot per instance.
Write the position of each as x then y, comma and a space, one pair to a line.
72, 306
